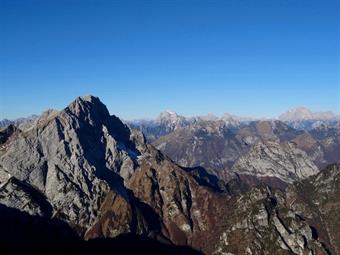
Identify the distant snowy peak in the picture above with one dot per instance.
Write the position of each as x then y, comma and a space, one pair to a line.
166, 115
171, 120
303, 113
209, 117
299, 114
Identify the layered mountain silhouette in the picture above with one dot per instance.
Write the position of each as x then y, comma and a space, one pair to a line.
300, 118
83, 178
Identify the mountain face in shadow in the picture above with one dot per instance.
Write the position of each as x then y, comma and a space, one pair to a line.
25, 234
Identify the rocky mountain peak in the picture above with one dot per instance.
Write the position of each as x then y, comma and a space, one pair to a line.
170, 121
168, 116
88, 106
298, 113
74, 157
89, 111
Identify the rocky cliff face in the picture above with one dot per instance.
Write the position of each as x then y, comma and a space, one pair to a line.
74, 158
85, 168
302, 220
208, 144
7, 132
261, 223
278, 160
318, 200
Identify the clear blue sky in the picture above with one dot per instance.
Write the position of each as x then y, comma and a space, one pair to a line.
141, 57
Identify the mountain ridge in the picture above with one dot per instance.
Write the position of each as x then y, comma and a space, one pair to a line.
84, 167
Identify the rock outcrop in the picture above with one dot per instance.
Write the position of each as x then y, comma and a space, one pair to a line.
317, 200
262, 224
279, 160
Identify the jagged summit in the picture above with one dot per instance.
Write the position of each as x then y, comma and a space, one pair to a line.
91, 112
88, 100
165, 115
86, 105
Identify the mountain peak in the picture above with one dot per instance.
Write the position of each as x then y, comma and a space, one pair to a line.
168, 115
304, 113
300, 110
171, 112
90, 111
89, 100
88, 106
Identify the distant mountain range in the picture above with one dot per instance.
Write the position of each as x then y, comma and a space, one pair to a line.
298, 140
303, 113
82, 177
168, 121
259, 148
20, 122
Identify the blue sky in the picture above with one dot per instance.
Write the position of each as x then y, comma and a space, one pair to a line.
255, 58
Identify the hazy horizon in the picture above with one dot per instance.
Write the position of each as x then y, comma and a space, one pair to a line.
179, 113
247, 58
